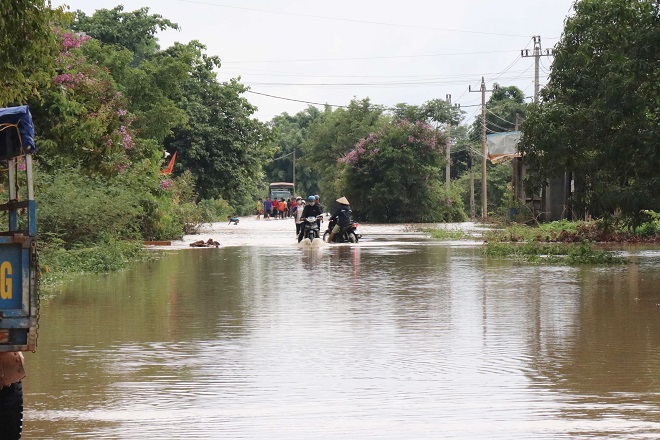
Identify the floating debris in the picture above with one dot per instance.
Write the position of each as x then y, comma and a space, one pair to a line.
208, 243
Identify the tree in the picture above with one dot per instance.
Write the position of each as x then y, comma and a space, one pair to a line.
221, 145
599, 115
28, 46
290, 134
125, 43
394, 175
82, 119
332, 135
501, 110
135, 31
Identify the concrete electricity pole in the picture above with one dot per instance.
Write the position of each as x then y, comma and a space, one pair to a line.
294, 171
448, 149
537, 54
484, 148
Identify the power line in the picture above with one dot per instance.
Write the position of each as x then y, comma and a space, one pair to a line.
295, 100
371, 84
348, 20
326, 104
384, 57
312, 75
495, 125
497, 116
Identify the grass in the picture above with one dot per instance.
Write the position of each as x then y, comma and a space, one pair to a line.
449, 234
553, 253
560, 242
58, 264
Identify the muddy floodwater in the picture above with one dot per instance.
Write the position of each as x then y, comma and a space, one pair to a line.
396, 337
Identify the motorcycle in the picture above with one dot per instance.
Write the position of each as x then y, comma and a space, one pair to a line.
347, 234
311, 228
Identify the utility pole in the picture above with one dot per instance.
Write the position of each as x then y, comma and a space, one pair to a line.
294, 172
537, 53
472, 209
484, 148
448, 149
517, 177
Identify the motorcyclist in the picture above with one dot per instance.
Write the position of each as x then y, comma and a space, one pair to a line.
311, 209
341, 217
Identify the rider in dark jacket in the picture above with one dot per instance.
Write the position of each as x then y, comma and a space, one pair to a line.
341, 218
311, 210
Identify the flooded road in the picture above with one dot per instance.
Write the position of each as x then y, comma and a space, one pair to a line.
396, 337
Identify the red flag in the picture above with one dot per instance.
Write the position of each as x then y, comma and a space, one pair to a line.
170, 166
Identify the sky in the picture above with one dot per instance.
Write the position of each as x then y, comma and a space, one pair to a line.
293, 52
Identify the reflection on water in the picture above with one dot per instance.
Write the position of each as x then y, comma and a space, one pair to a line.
396, 337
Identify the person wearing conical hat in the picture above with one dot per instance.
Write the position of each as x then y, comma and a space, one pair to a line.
341, 217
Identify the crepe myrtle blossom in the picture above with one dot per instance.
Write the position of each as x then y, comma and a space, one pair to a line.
360, 148
121, 167
417, 135
69, 80
127, 140
73, 40
167, 184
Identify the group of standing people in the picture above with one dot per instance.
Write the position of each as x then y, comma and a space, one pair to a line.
275, 208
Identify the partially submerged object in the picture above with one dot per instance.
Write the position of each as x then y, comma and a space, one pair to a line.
208, 243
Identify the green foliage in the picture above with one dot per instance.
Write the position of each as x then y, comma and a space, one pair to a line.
564, 231
213, 210
195, 215
435, 112
447, 234
535, 252
222, 145
28, 46
394, 176
106, 256
82, 121
135, 31
332, 135
81, 210
599, 113
652, 227
290, 133
502, 107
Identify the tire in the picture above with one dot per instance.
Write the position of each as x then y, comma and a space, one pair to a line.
352, 238
325, 236
11, 411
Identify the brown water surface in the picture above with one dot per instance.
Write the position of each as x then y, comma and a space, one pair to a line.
397, 337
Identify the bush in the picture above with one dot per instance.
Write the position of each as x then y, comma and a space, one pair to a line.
107, 256
213, 210
82, 210
536, 252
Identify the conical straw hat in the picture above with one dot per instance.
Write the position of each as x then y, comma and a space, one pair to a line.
343, 201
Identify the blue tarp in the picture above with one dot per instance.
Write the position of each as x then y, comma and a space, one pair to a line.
16, 132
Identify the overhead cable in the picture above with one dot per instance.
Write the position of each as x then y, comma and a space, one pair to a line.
349, 20
314, 60
497, 116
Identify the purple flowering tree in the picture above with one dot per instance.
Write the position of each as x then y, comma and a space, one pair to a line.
84, 120
395, 174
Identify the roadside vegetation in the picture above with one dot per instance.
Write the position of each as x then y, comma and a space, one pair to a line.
566, 242
111, 109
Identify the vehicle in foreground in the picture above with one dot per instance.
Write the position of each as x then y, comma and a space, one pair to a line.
19, 271
347, 234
